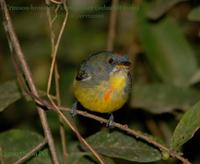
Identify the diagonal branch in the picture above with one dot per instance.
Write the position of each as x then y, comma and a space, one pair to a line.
57, 43
61, 129
132, 132
75, 130
53, 69
32, 152
56, 73
125, 128
14, 42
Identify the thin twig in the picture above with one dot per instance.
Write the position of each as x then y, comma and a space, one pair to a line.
53, 64
51, 105
50, 25
20, 56
57, 43
56, 76
132, 132
62, 130
63, 140
19, 77
75, 130
112, 25
125, 128
57, 1
32, 152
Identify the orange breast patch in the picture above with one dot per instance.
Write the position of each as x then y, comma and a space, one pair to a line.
108, 93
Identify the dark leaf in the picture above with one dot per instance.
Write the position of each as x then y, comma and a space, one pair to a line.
119, 145
186, 128
194, 15
160, 98
9, 93
167, 50
16, 143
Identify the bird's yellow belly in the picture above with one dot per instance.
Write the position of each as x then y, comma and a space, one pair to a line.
104, 98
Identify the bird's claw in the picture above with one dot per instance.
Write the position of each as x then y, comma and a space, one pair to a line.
110, 121
73, 111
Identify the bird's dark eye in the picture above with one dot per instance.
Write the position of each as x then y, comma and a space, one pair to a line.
111, 61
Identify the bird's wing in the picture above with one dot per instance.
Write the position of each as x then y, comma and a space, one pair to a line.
82, 75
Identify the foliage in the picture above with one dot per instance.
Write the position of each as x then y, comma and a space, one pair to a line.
162, 39
118, 145
9, 94
16, 143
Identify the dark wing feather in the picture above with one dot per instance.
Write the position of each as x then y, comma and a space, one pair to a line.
82, 74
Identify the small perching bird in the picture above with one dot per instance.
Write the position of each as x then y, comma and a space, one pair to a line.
103, 82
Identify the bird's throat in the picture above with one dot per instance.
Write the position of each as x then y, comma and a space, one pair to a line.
118, 80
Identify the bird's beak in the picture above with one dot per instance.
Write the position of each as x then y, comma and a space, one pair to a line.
123, 64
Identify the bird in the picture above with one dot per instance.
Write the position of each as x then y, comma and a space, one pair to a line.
103, 83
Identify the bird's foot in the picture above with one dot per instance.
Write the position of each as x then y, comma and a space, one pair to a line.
110, 121
73, 111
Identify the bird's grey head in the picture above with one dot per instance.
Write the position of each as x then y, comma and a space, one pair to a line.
99, 65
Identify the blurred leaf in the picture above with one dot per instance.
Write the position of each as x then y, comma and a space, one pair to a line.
161, 8
196, 78
167, 50
30, 28
16, 143
159, 98
118, 145
187, 126
194, 15
9, 93
82, 42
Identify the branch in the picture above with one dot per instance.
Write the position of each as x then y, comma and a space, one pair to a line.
124, 128
132, 132
75, 130
62, 129
112, 25
14, 43
53, 68
57, 43
56, 73
32, 152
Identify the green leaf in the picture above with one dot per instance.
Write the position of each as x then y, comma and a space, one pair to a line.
194, 15
118, 145
167, 50
16, 143
160, 98
187, 126
9, 93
